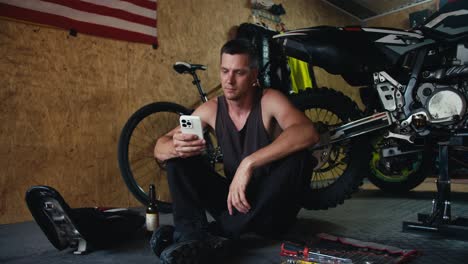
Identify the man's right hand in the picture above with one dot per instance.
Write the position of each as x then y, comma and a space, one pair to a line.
187, 145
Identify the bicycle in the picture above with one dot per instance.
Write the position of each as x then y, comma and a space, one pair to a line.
138, 166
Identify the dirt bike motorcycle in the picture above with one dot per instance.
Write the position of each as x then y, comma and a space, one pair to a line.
416, 91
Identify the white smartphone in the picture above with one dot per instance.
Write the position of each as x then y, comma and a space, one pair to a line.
191, 125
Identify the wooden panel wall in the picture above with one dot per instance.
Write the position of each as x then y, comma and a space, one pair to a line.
65, 99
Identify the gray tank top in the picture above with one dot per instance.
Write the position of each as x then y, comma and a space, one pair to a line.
236, 145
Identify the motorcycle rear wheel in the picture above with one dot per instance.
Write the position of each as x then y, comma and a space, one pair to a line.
342, 174
416, 168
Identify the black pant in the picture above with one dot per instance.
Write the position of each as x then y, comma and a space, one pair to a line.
274, 197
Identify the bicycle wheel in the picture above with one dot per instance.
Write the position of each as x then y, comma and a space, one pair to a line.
137, 164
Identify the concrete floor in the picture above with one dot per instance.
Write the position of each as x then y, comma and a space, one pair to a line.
370, 215
457, 185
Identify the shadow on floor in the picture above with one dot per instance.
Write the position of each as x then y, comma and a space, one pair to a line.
420, 195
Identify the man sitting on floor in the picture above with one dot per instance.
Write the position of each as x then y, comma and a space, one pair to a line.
263, 138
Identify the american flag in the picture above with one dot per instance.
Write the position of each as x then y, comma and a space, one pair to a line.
129, 20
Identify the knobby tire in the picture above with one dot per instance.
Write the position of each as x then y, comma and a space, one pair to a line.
336, 180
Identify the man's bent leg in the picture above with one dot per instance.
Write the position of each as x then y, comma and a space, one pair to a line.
281, 192
274, 198
194, 187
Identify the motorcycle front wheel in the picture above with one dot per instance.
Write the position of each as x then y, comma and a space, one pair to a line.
341, 173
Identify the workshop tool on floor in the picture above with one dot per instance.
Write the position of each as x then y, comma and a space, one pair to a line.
326, 248
295, 253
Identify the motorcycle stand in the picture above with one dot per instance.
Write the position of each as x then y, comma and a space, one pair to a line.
440, 219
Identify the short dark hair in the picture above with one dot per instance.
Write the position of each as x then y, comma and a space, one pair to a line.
241, 46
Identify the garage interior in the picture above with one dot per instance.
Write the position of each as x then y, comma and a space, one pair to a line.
66, 97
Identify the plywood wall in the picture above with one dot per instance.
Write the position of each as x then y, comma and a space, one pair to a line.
65, 99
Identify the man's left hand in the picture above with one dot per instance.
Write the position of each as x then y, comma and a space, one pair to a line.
236, 197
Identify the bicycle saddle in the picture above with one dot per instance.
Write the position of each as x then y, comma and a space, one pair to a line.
185, 67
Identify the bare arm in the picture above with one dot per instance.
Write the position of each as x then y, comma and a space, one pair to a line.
298, 133
177, 145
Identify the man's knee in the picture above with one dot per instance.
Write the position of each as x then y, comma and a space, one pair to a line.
297, 162
187, 164
179, 169
303, 156
177, 161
